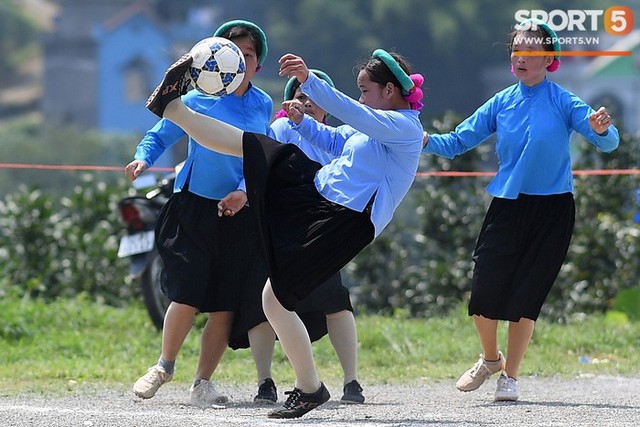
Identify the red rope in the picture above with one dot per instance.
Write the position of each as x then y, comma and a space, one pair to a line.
419, 174
575, 172
73, 167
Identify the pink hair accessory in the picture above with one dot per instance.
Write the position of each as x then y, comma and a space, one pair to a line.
551, 68
554, 66
415, 95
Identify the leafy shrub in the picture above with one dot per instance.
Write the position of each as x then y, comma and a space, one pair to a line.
420, 265
63, 247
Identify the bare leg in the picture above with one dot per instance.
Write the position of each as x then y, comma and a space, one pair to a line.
209, 132
342, 333
262, 340
294, 339
520, 334
487, 330
177, 323
213, 343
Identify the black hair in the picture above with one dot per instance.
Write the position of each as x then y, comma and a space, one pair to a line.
379, 73
242, 32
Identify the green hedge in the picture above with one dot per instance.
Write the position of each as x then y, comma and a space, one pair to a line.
64, 246
60, 246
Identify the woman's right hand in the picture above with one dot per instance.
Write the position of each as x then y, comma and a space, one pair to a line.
134, 169
292, 65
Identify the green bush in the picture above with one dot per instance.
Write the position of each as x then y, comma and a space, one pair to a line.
63, 247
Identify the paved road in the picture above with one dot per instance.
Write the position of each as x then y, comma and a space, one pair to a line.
595, 401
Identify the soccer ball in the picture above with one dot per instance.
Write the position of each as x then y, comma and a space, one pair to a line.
218, 66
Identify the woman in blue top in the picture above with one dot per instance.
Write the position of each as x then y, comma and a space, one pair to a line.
328, 309
313, 219
205, 257
526, 232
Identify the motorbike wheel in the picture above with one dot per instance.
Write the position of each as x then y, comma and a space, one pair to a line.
154, 299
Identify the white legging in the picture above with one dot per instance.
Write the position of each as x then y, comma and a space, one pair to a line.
294, 340
209, 132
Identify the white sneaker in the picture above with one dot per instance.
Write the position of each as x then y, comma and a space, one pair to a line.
205, 395
147, 385
507, 389
479, 373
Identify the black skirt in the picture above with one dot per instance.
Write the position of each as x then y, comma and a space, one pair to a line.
520, 250
210, 262
330, 297
306, 238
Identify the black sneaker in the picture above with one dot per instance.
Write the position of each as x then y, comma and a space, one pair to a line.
352, 393
173, 85
267, 392
299, 403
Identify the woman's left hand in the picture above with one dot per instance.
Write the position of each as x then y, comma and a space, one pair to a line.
293, 66
232, 203
600, 121
295, 110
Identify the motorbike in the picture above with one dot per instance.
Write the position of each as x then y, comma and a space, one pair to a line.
139, 215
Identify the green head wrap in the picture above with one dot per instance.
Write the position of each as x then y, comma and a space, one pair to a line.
240, 23
288, 88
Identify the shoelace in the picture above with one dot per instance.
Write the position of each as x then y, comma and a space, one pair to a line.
267, 388
476, 368
353, 387
294, 397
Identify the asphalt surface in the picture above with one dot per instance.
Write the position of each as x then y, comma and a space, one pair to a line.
585, 401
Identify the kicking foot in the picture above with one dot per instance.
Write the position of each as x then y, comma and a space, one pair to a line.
173, 85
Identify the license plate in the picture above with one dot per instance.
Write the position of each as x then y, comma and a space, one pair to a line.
138, 243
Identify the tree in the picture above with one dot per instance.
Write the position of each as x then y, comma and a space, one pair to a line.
18, 37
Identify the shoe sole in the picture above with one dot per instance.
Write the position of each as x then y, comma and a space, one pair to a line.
265, 401
142, 396
467, 390
153, 100
351, 402
505, 399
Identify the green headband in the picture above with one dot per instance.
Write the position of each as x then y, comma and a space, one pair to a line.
546, 28
240, 23
392, 64
288, 88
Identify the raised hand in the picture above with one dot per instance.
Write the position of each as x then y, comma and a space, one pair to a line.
292, 65
600, 120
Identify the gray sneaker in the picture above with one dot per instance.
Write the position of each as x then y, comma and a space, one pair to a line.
147, 385
206, 395
507, 389
479, 373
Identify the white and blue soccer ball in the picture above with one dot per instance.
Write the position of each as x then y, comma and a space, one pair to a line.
218, 66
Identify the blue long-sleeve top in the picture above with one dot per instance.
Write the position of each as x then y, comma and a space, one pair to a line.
533, 126
282, 131
377, 153
210, 174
